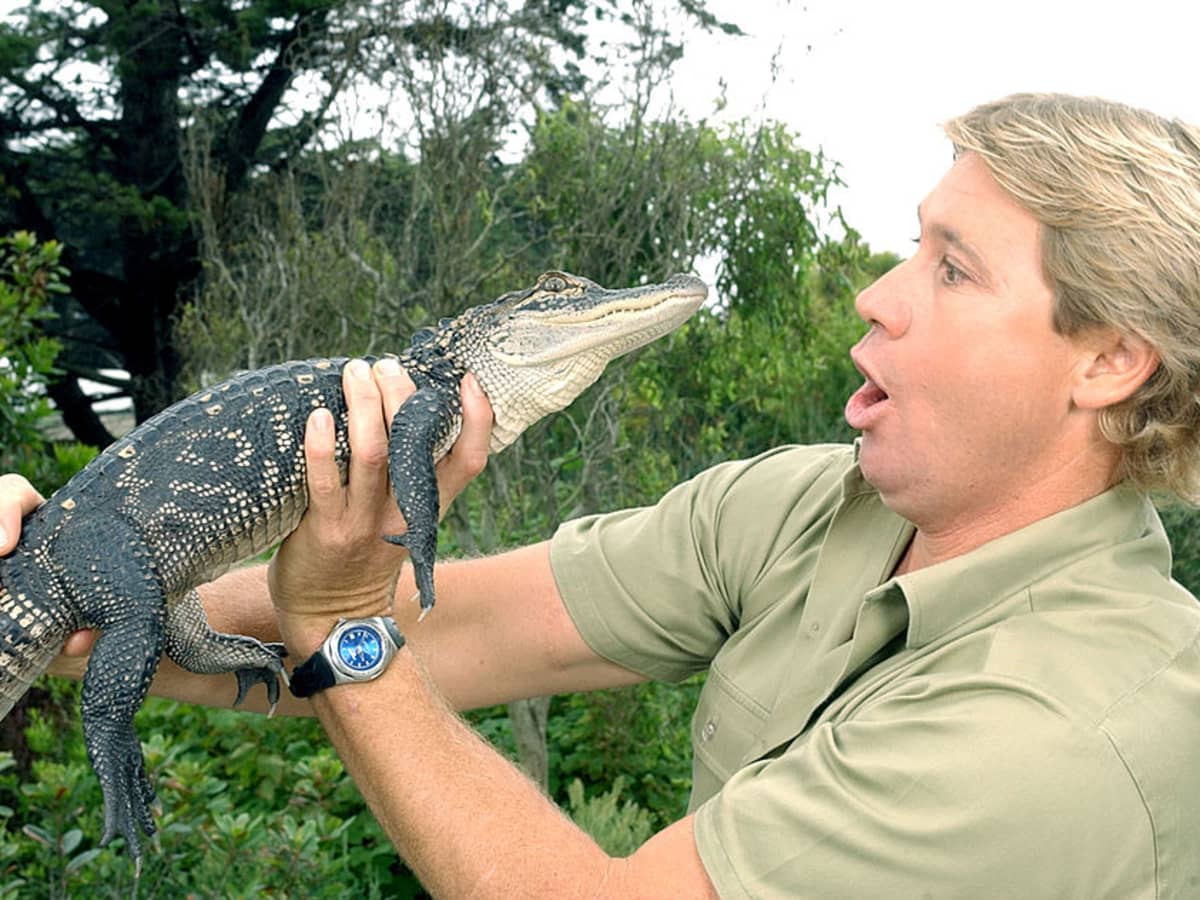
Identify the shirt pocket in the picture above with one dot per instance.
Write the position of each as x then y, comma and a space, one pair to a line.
728, 725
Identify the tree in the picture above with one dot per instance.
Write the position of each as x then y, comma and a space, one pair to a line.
30, 274
99, 100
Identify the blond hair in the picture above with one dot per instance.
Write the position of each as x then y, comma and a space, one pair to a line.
1117, 192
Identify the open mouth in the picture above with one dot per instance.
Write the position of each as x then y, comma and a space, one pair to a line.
873, 393
864, 404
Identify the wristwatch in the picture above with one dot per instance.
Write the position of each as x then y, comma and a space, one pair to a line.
356, 650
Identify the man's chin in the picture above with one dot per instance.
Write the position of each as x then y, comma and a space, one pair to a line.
883, 470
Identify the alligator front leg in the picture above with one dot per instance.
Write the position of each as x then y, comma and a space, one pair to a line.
421, 425
194, 646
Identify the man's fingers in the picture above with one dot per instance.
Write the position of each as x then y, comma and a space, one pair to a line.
324, 479
18, 498
469, 455
79, 643
368, 433
367, 395
394, 385
472, 445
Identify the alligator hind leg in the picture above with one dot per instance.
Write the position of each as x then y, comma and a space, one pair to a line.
192, 644
124, 602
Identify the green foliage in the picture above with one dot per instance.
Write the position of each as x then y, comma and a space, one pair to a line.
250, 807
30, 273
619, 828
753, 377
637, 735
620, 202
1182, 523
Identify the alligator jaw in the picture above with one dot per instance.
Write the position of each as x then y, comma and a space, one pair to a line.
591, 320
546, 347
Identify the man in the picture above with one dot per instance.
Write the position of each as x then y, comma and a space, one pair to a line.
948, 662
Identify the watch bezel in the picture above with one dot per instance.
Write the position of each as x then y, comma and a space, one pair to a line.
344, 674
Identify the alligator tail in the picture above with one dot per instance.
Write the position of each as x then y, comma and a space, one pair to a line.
30, 637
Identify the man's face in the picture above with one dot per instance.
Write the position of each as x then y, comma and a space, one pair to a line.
967, 404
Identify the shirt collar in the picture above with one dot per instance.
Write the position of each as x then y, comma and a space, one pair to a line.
944, 596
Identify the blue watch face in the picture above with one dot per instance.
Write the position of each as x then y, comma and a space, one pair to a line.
360, 648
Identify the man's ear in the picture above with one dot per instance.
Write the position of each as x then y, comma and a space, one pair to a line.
1114, 365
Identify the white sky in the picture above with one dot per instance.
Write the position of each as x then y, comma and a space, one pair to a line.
869, 80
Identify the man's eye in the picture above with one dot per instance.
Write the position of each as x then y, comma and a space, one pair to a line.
952, 274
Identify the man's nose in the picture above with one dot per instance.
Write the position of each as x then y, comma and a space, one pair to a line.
885, 305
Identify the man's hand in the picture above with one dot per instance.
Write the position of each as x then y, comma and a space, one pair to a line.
18, 498
335, 564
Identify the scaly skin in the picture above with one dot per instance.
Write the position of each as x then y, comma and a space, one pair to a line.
220, 477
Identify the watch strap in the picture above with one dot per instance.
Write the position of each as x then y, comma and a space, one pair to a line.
313, 675
393, 630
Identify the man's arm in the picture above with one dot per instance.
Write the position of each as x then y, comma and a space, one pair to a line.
466, 820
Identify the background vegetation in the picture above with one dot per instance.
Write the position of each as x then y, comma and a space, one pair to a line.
201, 205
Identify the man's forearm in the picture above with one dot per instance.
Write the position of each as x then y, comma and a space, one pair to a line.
465, 819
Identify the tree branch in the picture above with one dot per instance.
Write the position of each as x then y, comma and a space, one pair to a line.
247, 133
65, 109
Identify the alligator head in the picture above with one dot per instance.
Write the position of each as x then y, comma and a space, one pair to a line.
536, 350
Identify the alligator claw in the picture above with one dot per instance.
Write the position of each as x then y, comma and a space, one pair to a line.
248, 678
128, 795
422, 422
268, 675
422, 549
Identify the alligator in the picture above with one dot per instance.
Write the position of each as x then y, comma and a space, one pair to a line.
220, 477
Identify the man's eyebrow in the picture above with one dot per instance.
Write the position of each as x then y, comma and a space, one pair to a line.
948, 235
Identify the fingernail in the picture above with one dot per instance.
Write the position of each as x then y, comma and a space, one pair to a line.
389, 365
472, 384
358, 368
321, 420
3, 538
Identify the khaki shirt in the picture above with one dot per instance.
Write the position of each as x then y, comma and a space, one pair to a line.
1021, 721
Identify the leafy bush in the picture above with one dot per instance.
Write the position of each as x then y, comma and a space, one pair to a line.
638, 736
29, 274
619, 828
249, 807
1182, 523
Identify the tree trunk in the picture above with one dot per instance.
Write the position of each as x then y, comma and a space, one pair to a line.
529, 718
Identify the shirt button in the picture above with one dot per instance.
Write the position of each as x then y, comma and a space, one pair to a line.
707, 732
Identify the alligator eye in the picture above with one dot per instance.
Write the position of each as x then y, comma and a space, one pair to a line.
554, 284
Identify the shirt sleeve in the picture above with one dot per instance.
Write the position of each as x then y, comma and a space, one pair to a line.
945, 789
658, 589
